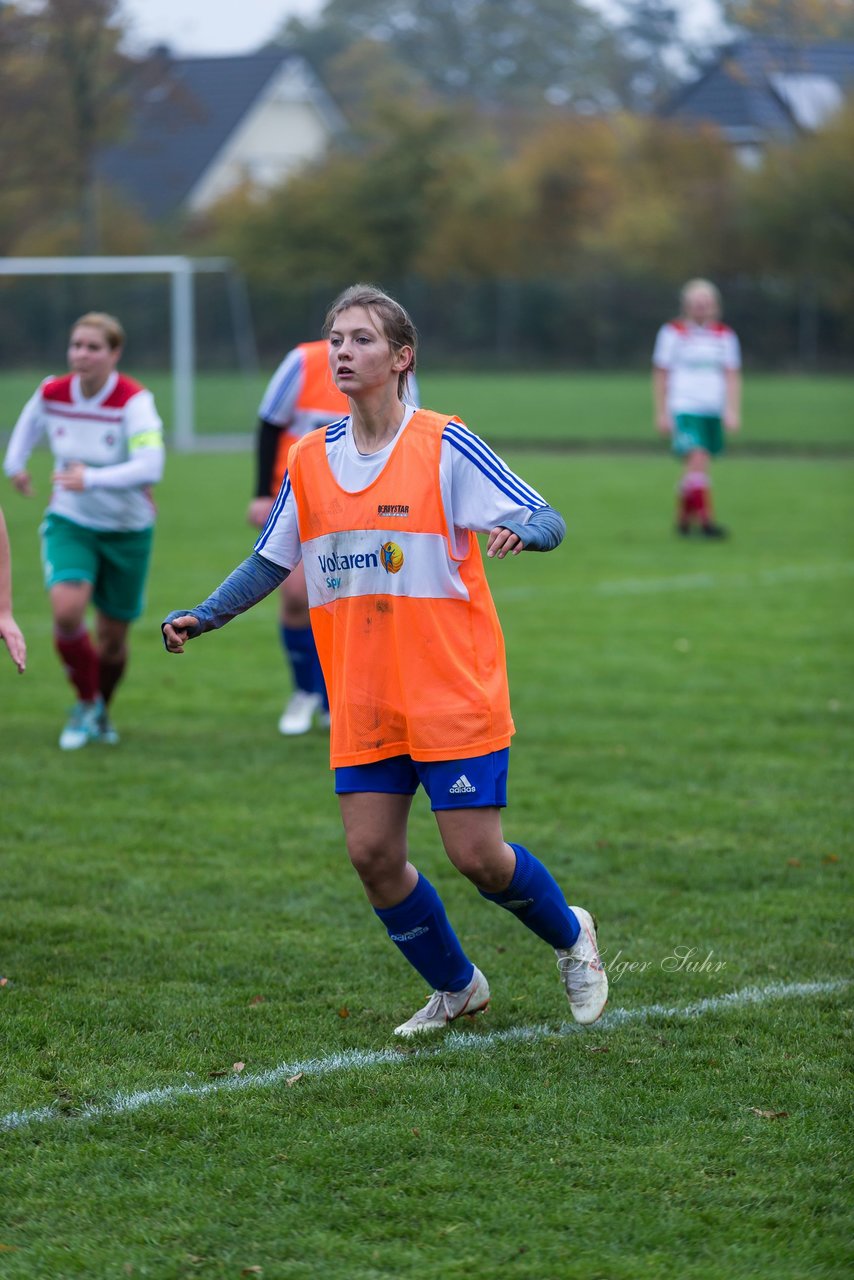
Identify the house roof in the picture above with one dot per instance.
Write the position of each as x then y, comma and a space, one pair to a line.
182, 111
768, 88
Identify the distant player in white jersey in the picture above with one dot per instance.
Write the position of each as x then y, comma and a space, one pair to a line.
697, 394
300, 397
107, 442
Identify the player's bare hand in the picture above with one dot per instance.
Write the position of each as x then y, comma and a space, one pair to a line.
23, 483
11, 633
732, 422
664, 424
178, 630
259, 510
502, 542
70, 477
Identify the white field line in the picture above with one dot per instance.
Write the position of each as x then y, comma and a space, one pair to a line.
705, 581
453, 1041
694, 581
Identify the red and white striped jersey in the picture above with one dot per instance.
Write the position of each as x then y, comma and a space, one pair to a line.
696, 358
117, 435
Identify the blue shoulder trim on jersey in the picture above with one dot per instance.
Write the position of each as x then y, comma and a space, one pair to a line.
487, 462
335, 430
281, 499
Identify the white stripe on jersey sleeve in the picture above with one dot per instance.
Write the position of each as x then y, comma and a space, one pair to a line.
279, 400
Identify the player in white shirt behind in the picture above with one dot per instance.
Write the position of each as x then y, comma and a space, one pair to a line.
697, 394
107, 442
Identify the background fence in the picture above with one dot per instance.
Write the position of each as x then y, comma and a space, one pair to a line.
597, 321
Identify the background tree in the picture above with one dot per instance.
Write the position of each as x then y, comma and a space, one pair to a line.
796, 21
60, 76
522, 52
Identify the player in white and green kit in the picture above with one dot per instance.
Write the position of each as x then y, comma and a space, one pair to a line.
107, 442
697, 391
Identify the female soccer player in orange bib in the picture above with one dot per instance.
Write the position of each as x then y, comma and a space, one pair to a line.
383, 508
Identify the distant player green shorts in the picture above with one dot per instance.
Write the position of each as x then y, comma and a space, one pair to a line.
697, 431
116, 563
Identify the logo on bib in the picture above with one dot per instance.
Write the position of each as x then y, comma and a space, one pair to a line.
391, 557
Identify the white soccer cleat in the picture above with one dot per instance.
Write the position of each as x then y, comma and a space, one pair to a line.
107, 732
80, 727
299, 714
583, 972
444, 1006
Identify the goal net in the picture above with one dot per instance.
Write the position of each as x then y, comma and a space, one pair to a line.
178, 301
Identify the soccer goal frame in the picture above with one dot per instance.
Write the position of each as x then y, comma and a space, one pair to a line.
181, 272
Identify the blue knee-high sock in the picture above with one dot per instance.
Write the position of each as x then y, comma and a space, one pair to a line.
421, 931
534, 897
298, 644
318, 684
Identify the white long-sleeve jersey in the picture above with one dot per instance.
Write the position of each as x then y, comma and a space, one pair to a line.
117, 435
479, 491
696, 359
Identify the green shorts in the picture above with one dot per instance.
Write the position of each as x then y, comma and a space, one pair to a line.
697, 431
116, 563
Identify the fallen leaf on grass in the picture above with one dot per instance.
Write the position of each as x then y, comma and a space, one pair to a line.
8, 1248
830, 857
793, 862
258, 1000
769, 1115
597, 1048
215, 1075
343, 1012
252, 1271
238, 1066
4, 982
128, 1268
293, 1079
417, 1132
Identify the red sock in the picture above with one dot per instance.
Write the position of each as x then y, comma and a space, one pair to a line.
80, 659
696, 497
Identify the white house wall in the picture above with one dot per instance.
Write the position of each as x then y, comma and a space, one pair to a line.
286, 129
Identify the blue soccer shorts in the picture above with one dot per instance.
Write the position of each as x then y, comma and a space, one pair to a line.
473, 782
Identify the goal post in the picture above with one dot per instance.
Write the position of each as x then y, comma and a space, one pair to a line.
181, 272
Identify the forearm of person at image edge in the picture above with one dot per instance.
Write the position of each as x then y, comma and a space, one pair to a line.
732, 407
545, 530
244, 587
659, 391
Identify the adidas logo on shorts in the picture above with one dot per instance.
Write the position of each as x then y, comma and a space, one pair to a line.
462, 787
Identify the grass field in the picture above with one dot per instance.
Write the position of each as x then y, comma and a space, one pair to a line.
813, 414
182, 904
